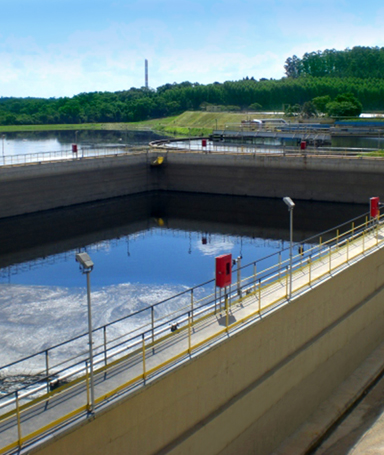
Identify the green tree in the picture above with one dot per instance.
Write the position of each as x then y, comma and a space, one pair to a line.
255, 107
320, 102
308, 110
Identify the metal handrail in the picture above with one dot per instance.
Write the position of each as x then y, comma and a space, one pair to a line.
27, 159
318, 254
176, 296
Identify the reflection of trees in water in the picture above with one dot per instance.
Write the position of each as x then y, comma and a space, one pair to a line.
88, 136
358, 142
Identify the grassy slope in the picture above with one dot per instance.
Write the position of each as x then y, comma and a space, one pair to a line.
194, 123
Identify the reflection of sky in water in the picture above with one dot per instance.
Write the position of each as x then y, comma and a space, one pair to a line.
155, 257
44, 305
19, 146
39, 142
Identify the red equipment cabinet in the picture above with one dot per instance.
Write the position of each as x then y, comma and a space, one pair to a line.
204, 142
224, 270
303, 145
374, 206
74, 148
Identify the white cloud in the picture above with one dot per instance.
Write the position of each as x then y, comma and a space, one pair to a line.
215, 247
197, 42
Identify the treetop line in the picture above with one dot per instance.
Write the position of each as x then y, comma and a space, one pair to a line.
334, 82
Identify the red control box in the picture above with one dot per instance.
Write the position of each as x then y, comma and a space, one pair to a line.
224, 270
374, 206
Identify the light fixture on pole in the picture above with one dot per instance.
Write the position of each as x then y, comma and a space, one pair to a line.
86, 265
290, 204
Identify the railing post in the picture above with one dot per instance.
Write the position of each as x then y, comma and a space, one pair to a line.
153, 324
47, 369
215, 296
143, 346
18, 418
320, 245
192, 304
286, 282
347, 250
353, 227
279, 264
310, 269
330, 258
105, 345
226, 312
259, 295
337, 238
364, 241
189, 333
377, 233
239, 276
254, 276
87, 385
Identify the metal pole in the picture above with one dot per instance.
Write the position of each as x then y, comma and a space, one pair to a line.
239, 276
18, 418
215, 298
153, 324
143, 346
192, 304
290, 250
347, 250
105, 345
226, 312
92, 408
330, 258
47, 369
87, 384
189, 333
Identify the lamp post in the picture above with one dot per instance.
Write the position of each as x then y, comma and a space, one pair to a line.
86, 265
290, 204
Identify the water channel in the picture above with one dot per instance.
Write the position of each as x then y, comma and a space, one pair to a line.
145, 248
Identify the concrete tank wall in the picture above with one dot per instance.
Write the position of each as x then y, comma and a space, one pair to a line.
38, 187
27, 189
251, 391
311, 178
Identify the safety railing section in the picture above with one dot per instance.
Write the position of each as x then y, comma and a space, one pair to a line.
269, 149
179, 320
182, 145
65, 155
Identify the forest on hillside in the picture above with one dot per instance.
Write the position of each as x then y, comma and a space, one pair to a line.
358, 72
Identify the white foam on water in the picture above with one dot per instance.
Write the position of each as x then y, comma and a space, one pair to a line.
33, 318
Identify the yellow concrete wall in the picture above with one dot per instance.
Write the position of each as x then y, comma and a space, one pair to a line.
248, 393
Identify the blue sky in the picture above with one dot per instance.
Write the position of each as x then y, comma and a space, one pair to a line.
53, 48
